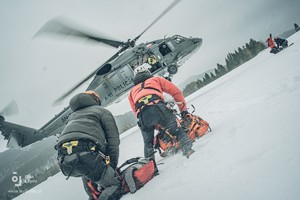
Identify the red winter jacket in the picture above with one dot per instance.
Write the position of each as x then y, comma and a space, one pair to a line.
271, 43
161, 85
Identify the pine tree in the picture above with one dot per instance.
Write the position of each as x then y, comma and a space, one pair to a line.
222, 70
200, 84
229, 62
218, 74
212, 76
206, 78
247, 54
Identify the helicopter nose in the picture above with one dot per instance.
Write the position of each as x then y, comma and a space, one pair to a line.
197, 41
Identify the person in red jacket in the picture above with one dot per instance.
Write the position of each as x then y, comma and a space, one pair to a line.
271, 44
147, 102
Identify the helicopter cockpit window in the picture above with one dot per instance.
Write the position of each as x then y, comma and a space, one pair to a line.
178, 39
164, 49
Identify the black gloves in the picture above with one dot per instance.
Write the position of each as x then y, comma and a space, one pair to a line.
184, 113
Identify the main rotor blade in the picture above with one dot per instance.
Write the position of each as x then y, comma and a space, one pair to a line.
57, 101
63, 29
11, 109
56, 26
159, 17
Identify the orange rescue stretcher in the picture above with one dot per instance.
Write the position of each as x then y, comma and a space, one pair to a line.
167, 144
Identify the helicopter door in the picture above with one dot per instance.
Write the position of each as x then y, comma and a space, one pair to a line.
104, 90
116, 84
124, 81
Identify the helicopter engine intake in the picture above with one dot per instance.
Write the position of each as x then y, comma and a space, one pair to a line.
104, 69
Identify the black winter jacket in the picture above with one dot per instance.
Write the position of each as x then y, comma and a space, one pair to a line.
93, 122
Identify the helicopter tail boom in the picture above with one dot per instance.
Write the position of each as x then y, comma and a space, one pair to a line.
15, 134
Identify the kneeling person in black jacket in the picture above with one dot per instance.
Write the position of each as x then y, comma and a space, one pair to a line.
88, 146
281, 43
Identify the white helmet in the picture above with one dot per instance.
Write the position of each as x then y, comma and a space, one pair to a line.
142, 68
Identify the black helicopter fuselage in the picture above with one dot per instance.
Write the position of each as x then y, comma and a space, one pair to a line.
115, 78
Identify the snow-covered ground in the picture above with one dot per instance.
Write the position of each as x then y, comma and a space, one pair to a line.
253, 151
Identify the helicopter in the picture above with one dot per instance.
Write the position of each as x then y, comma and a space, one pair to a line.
113, 79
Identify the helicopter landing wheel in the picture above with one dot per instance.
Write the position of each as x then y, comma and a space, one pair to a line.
172, 69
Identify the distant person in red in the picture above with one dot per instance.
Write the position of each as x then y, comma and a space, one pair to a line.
271, 44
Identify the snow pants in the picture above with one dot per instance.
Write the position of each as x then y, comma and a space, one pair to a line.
159, 114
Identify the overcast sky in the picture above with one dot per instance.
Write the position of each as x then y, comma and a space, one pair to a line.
35, 72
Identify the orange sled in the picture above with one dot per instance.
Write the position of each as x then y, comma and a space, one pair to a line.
167, 144
195, 126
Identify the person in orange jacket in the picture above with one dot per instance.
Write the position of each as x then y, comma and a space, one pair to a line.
271, 44
147, 102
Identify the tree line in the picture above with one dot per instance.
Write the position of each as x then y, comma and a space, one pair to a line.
232, 61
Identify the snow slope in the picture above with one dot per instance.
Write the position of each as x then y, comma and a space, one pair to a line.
252, 153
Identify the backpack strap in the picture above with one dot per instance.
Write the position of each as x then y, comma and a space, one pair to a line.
129, 178
151, 88
128, 162
95, 192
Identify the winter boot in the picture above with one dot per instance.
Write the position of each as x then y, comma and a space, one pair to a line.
185, 143
111, 193
110, 185
188, 153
